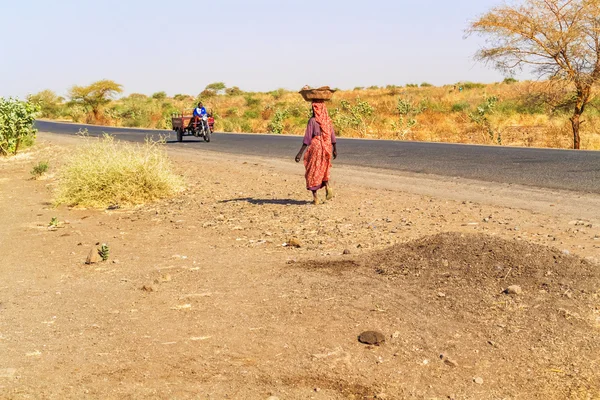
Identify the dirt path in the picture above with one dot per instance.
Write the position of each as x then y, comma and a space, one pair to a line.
229, 312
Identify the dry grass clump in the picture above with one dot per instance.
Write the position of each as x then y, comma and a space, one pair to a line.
108, 173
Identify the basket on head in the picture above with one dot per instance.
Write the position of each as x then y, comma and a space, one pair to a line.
321, 94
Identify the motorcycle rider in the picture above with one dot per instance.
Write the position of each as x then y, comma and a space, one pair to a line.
199, 113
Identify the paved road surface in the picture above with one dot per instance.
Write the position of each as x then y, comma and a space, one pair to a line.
554, 169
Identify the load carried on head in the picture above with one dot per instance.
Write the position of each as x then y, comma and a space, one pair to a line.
317, 95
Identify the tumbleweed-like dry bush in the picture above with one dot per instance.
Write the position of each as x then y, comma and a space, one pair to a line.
104, 172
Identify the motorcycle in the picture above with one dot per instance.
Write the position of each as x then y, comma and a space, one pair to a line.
202, 127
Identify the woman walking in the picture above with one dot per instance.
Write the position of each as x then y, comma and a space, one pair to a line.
321, 143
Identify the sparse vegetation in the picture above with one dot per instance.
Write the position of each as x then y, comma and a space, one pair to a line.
39, 169
104, 173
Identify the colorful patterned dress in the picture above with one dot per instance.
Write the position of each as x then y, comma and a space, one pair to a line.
319, 137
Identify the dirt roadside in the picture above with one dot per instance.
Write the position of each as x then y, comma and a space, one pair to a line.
229, 312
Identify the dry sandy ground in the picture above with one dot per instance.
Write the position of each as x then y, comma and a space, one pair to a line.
229, 312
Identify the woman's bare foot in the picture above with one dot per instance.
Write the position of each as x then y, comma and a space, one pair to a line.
329, 192
316, 201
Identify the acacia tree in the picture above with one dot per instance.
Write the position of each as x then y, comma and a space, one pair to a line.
559, 39
96, 95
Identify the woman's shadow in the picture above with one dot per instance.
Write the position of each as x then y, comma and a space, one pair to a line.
262, 202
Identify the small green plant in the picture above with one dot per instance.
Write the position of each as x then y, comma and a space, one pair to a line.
53, 223
40, 169
104, 252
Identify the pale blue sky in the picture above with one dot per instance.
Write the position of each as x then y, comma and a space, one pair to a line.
181, 46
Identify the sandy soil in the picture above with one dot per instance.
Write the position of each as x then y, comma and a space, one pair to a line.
201, 298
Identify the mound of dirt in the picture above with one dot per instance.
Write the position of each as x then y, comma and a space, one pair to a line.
482, 261
543, 340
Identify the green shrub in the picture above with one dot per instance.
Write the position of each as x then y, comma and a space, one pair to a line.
509, 81
104, 172
251, 114
412, 85
245, 126
425, 84
472, 85
159, 96
278, 94
232, 112
51, 105
39, 169
276, 125
234, 91
460, 107
252, 101
16, 124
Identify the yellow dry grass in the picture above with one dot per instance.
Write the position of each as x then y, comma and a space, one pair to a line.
104, 172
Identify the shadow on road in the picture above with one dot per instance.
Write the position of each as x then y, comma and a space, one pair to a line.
261, 202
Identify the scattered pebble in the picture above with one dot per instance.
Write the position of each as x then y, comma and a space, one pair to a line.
293, 242
93, 257
478, 380
448, 361
513, 290
8, 373
372, 338
347, 252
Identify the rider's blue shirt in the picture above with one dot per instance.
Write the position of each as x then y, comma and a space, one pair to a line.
199, 112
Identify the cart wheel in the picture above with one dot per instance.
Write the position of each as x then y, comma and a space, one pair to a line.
207, 137
179, 135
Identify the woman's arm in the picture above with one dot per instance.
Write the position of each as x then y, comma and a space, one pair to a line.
299, 155
333, 142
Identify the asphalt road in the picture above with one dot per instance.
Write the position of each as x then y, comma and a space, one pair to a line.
547, 168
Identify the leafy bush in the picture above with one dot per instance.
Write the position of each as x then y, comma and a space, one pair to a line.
481, 118
412, 85
39, 169
460, 107
509, 81
277, 94
251, 114
16, 124
104, 172
276, 125
234, 91
51, 105
356, 116
471, 85
252, 101
425, 84
159, 96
